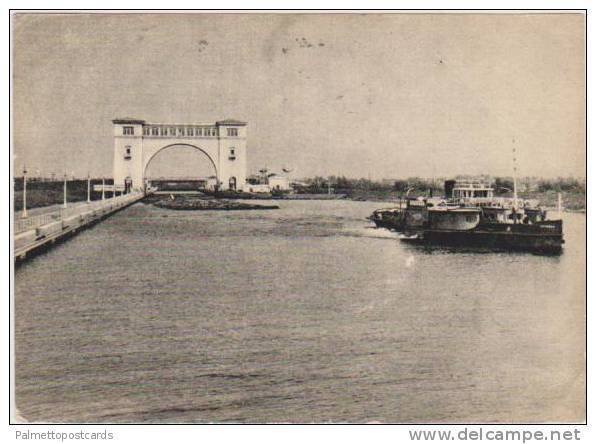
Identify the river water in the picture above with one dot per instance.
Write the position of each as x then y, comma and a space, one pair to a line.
303, 314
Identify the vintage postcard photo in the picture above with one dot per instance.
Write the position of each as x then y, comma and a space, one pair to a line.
292, 217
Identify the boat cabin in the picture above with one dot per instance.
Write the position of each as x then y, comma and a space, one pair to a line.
471, 190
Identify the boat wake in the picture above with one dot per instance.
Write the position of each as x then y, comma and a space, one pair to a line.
370, 232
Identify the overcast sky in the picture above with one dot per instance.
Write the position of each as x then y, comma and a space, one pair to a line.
385, 95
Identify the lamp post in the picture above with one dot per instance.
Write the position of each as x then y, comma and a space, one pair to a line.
514, 178
24, 191
103, 188
64, 205
88, 187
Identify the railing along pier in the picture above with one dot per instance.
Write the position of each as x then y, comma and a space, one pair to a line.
35, 231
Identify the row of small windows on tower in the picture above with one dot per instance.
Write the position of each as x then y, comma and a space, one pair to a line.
180, 131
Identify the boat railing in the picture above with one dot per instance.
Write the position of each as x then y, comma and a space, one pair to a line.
499, 202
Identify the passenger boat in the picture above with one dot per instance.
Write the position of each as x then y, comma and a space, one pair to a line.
474, 218
463, 228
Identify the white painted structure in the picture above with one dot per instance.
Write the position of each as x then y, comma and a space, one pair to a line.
258, 188
279, 183
136, 142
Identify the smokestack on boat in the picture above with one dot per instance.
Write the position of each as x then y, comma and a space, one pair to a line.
449, 185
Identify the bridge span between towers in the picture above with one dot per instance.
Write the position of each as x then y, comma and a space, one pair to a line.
136, 143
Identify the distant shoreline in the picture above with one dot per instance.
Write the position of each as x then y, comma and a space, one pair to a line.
571, 201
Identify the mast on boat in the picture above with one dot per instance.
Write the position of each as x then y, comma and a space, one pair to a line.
514, 177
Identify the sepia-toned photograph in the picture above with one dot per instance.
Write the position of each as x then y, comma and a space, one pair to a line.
307, 217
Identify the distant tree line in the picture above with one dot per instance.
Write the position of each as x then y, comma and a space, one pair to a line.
435, 186
418, 185
342, 184
568, 184
533, 184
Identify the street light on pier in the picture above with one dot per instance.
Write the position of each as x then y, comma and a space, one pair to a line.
24, 214
65, 179
88, 187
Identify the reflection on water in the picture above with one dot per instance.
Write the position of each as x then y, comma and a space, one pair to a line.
302, 314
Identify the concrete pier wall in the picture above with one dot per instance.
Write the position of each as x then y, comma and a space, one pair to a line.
45, 229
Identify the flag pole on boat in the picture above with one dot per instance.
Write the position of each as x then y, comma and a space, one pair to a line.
514, 178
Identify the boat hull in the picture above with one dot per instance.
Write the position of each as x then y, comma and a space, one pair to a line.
388, 224
546, 238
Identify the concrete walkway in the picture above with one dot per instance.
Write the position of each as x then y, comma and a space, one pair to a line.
48, 226
43, 215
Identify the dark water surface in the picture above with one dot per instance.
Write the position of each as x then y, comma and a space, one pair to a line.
301, 314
